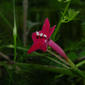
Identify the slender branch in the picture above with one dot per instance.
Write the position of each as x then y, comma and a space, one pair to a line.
41, 67
73, 66
80, 63
7, 58
25, 7
58, 62
47, 68
60, 22
4, 56
77, 70
58, 57
14, 31
80, 59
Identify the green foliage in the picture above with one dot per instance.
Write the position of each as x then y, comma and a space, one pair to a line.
70, 16
34, 68
73, 56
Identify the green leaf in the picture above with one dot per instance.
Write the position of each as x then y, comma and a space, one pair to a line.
71, 15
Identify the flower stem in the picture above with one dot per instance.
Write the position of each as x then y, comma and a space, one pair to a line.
74, 68
58, 57
69, 62
58, 62
80, 63
14, 48
14, 32
60, 22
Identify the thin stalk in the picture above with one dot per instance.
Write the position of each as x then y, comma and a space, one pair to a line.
52, 59
47, 68
10, 26
10, 75
80, 63
58, 76
41, 67
74, 68
60, 22
4, 56
25, 9
14, 32
14, 48
25, 49
58, 57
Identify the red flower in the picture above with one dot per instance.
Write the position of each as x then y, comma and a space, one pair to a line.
41, 39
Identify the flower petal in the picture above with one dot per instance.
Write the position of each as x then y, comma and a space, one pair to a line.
44, 48
35, 46
39, 44
57, 48
34, 37
46, 26
52, 30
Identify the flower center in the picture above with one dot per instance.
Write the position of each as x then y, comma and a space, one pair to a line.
41, 34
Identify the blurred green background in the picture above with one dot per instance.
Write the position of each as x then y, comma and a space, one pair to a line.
71, 37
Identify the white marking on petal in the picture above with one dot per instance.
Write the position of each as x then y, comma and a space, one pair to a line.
45, 41
45, 36
41, 34
37, 33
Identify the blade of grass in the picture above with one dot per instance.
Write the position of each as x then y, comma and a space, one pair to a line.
8, 23
73, 66
4, 56
25, 49
10, 75
61, 59
75, 69
25, 11
40, 67
47, 68
14, 31
5, 19
80, 63
56, 61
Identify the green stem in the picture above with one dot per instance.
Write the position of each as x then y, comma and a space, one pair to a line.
40, 67
74, 68
10, 74
60, 22
52, 59
14, 31
61, 59
47, 68
14, 48
80, 63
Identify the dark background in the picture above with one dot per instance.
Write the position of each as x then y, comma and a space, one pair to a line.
71, 37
